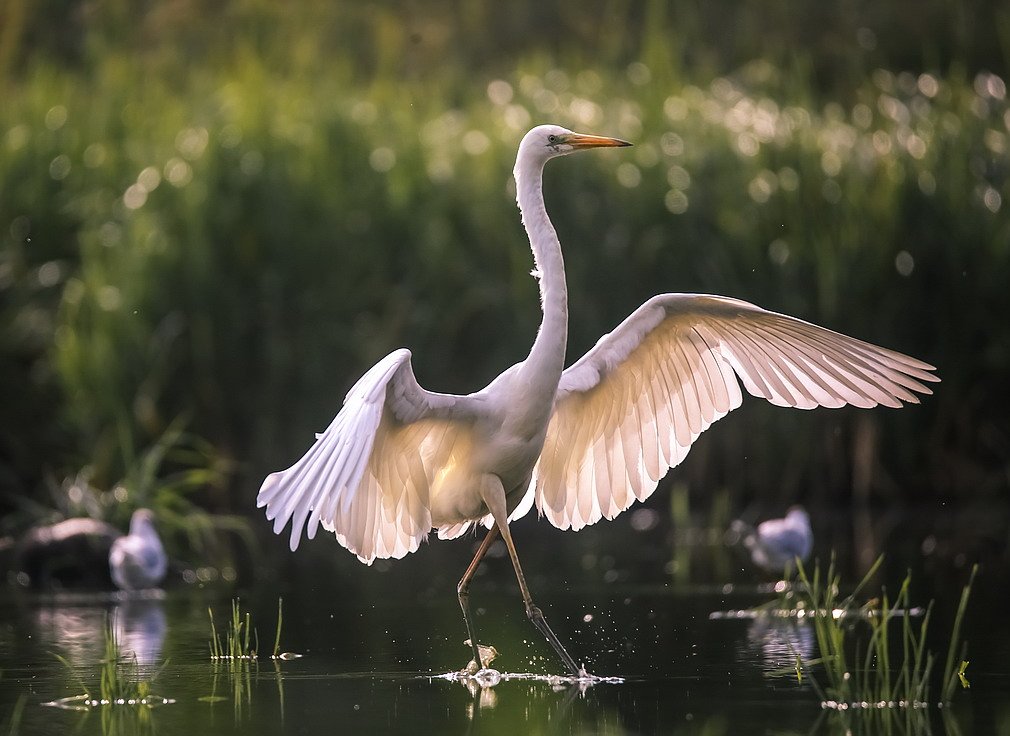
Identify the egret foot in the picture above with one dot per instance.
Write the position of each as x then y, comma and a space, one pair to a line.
487, 655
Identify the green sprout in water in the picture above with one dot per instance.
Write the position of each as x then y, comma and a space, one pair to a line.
236, 644
239, 647
277, 637
120, 681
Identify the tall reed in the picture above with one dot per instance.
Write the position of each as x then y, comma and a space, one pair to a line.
888, 670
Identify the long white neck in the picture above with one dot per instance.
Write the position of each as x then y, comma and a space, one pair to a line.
547, 357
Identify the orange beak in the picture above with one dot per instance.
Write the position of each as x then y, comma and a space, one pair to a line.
581, 140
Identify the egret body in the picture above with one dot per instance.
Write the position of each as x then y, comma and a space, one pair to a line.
582, 443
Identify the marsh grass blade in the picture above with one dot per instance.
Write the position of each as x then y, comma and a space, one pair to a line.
952, 673
277, 637
878, 681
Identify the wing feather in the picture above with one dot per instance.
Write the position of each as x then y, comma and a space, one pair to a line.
712, 393
829, 370
630, 408
367, 477
647, 432
695, 387
764, 364
899, 368
822, 390
689, 389
790, 390
867, 377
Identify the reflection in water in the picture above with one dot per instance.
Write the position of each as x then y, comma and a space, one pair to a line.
566, 691
78, 631
140, 627
875, 721
777, 642
106, 649
131, 720
240, 674
697, 675
483, 697
481, 687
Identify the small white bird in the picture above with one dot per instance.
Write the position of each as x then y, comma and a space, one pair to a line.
137, 561
776, 544
581, 443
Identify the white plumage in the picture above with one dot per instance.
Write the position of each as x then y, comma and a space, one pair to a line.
137, 560
582, 443
776, 544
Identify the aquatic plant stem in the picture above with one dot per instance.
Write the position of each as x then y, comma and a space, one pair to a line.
950, 678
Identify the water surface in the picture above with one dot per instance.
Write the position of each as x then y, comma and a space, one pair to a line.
376, 642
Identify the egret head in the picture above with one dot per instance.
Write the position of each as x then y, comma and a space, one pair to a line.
547, 141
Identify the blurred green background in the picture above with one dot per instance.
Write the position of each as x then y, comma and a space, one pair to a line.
215, 216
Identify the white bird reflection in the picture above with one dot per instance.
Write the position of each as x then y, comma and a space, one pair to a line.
775, 643
78, 631
74, 631
140, 627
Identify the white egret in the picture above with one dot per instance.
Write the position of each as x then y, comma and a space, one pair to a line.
137, 560
776, 544
582, 443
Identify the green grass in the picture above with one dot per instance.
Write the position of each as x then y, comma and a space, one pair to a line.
13, 724
235, 642
873, 657
956, 665
169, 477
277, 636
240, 640
238, 647
120, 681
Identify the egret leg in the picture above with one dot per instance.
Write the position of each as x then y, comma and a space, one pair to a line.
463, 590
494, 497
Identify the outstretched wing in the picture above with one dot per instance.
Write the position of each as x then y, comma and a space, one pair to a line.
367, 477
630, 409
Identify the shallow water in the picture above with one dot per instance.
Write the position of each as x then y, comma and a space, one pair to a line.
376, 642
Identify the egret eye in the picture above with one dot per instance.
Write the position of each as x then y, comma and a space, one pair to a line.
552, 138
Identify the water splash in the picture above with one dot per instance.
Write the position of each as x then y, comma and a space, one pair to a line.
488, 677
